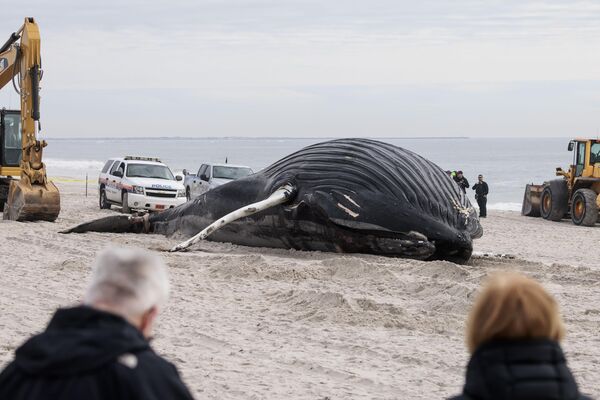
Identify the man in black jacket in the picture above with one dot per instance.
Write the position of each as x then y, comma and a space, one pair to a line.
481, 191
100, 350
460, 179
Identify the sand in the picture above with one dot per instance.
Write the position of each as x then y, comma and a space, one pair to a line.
246, 323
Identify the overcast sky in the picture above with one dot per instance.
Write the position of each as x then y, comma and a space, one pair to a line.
318, 68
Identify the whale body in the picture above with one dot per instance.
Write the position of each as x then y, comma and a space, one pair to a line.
350, 196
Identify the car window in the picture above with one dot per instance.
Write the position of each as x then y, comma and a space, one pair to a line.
107, 166
231, 172
149, 171
208, 171
202, 169
12, 131
595, 153
115, 167
581, 154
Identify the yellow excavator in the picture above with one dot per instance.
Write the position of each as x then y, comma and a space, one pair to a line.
31, 197
576, 194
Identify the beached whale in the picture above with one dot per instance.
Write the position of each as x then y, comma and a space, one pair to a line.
345, 195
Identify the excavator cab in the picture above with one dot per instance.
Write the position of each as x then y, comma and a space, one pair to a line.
11, 152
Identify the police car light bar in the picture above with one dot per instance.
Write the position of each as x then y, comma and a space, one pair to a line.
155, 159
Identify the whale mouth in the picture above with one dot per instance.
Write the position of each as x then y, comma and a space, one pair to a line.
411, 248
376, 239
379, 240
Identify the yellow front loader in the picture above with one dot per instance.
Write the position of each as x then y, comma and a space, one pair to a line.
576, 194
31, 197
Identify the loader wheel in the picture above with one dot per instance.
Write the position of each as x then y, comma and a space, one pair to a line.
125, 204
584, 210
104, 204
554, 201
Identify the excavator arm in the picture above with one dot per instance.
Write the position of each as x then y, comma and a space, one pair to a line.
32, 197
8, 56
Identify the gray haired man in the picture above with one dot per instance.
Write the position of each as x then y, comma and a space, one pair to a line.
100, 350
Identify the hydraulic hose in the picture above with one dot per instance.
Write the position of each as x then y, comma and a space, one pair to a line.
13, 38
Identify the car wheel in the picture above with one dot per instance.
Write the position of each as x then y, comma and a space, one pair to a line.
124, 204
104, 204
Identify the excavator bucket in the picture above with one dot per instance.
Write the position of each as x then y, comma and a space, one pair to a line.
32, 202
531, 200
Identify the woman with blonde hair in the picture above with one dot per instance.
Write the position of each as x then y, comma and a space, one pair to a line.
513, 334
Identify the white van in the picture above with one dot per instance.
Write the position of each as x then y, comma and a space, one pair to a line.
139, 183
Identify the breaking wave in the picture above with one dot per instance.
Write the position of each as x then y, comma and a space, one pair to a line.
75, 165
58, 167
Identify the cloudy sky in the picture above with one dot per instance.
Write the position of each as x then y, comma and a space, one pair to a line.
315, 68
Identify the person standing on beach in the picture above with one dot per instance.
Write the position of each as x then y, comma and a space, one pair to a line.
481, 191
100, 350
462, 181
513, 334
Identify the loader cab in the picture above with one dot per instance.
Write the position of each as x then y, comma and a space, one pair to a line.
579, 152
10, 138
594, 153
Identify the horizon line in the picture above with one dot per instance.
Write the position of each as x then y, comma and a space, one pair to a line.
300, 137
253, 137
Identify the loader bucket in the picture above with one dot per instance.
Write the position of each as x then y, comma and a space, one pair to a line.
531, 200
32, 202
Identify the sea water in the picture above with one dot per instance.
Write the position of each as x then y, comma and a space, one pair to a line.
506, 163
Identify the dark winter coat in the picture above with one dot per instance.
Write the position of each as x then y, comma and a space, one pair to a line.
462, 182
481, 189
86, 354
519, 370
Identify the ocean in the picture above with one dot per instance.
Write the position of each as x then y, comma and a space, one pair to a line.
506, 163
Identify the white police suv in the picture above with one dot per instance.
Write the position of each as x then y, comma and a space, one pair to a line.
139, 183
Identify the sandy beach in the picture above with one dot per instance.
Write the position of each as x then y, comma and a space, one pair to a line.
247, 323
